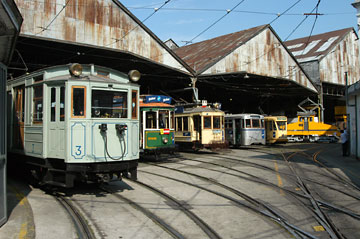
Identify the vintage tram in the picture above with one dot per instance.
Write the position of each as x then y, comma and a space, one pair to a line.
244, 129
199, 126
157, 134
75, 122
276, 130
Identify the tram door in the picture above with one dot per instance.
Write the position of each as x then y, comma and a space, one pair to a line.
56, 133
238, 131
197, 126
19, 111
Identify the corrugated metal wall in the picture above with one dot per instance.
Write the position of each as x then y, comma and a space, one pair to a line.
3, 197
94, 22
344, 58
263, 55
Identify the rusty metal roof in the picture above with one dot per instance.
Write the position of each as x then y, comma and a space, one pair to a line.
203, 54
316, 47
10, 22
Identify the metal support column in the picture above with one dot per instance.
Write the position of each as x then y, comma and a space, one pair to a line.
3, 197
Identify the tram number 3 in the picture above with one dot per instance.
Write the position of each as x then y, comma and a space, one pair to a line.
78, 150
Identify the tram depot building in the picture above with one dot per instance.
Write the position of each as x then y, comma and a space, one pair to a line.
247, 71
250, 71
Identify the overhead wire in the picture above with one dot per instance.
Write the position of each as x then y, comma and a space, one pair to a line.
227, 12
313, 26
232, 10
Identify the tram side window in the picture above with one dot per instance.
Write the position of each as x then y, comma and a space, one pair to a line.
172, 120
178, 124
134, 104
151, 120
78, 101
207, 122
228, 124
62, 103
262, 124
216, 122
247, 123
273, 125
186, 123
38, 104
109, 104
53, 104
255, 123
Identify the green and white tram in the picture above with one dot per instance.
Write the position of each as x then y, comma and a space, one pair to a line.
75, 122
157, 125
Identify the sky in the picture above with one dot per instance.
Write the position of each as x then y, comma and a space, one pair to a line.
187, 21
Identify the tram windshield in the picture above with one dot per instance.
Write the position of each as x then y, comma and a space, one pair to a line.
164, 119
108, 104
281, 125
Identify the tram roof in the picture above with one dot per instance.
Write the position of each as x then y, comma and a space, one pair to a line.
90, 72
156, 104
244, 115
201, 109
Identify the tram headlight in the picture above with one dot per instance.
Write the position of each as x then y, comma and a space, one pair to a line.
134, 75
165, 140
76, 69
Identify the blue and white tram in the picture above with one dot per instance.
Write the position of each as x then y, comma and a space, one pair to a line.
75, 123
245, 129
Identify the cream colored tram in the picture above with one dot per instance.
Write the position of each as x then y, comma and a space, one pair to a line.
199, 127
276, 129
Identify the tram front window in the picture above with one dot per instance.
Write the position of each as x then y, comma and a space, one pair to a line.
281, 125
255, 123
163, 119
216, 123
207, 122
151, 120
108, 104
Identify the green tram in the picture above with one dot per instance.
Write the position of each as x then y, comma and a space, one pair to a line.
157, 133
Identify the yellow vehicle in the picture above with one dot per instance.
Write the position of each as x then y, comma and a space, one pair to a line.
199, 127
340, 117
276, 130
308, 128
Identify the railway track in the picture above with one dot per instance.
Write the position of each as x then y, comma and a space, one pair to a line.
157, 220
252, 204
83, 230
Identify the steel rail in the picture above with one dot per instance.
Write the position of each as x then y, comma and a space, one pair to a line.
256, 179
269, 213
82, 228
321, 216
198, 221
289, 175
157, 220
